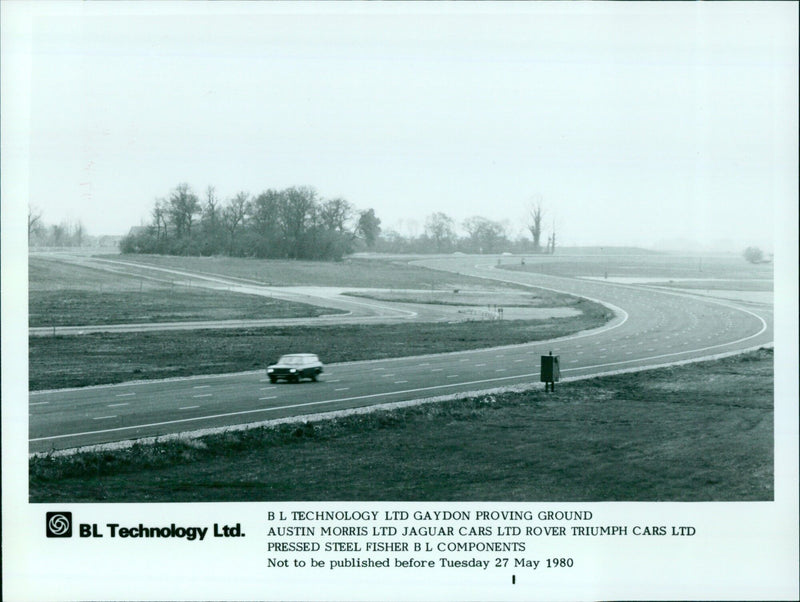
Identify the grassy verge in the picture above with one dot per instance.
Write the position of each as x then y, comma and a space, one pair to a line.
691, 433
538, 298
352, 272
83, 308
102, 358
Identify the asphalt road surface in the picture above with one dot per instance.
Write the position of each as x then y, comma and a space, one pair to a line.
651, 328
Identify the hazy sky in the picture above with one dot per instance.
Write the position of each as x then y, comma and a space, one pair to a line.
632, 123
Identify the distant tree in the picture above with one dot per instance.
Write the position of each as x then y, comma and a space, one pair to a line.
264, 224
369, 227
160, 214
335, 215
297, 215
485, 236
233, 216
753, 255
535, 224
439, 227
183, 206
34, 221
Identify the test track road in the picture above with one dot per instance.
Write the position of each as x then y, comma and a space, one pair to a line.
651, 328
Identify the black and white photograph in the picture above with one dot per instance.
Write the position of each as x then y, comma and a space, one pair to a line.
399, 301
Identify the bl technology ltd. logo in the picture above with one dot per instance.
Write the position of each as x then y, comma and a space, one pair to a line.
59, 524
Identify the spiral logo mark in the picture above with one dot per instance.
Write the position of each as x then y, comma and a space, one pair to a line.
59, 524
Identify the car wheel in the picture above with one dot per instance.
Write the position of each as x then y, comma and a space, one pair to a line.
273, 380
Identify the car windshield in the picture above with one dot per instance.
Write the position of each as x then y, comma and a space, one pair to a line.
292, 360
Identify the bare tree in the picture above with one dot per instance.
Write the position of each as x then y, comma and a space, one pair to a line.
160, 213
233, 216
485, 235
183, 206
335, 214
536, 213
34, 221
297, 214
439, 227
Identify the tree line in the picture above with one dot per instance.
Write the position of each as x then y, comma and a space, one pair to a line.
63, 234
478, 235
293, 223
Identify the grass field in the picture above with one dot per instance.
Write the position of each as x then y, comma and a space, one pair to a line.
696, 432
367, 273
664, 266
457, 297
102, 358
64, 294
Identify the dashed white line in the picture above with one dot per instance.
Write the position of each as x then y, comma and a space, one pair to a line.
117, 405
126, 394
204, 395
39, 403
201, 387
188, 407
263, 398
343, 389
400, 382
103, 417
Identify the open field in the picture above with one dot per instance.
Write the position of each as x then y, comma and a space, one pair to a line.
652, 266
101, 358
356, 272
695, 432
457, 297
64, 294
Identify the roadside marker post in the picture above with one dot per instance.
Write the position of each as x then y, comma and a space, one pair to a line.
550, 372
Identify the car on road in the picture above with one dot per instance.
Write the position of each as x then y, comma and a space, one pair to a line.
295, 366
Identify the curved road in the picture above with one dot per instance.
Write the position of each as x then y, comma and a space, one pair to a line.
652, 327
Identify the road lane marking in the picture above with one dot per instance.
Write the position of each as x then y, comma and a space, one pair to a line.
343, 389
263, 398
188, 407
103, 417
201, 387
117, 405
38, 403
126, 394
764, 327
437, 370
204, 395
400, 382
267, 388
